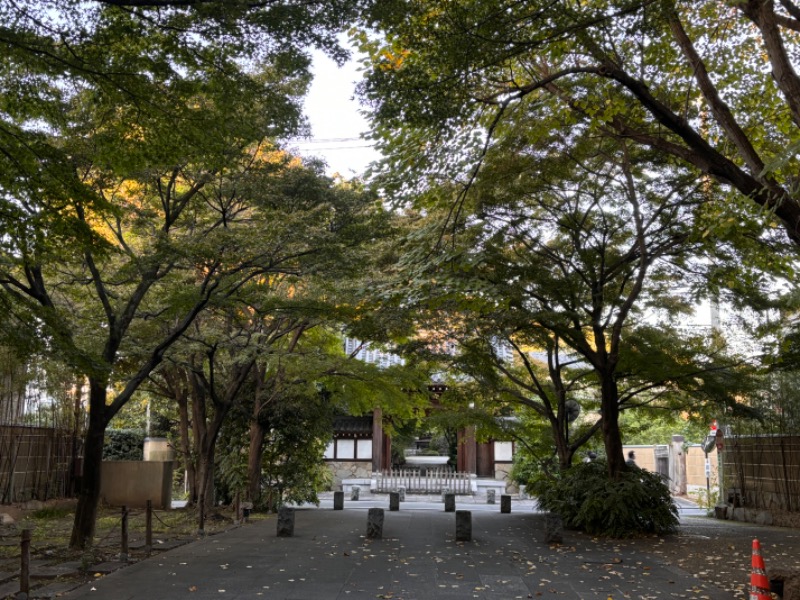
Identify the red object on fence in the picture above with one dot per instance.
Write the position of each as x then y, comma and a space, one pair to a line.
759, 583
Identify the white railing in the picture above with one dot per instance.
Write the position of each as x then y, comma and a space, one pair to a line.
429, 481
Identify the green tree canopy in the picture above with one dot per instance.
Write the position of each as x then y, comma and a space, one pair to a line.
710, 84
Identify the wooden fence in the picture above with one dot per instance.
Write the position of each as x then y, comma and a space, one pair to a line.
764, 470
428, 481
35, 463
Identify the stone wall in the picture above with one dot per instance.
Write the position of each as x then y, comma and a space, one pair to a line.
502, 472
695, 463
696, 467
342, 469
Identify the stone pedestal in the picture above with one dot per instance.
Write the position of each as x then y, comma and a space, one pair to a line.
338, 500
463, 526
449, 502
553, 529
285, 522
375, 523
490, 496
394, 501
505, 503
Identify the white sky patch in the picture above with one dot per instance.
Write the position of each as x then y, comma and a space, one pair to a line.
336, 124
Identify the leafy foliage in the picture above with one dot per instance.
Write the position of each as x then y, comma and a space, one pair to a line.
585, 498
662, 74
124, 444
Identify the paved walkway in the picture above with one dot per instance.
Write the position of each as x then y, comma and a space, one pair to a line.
418, 559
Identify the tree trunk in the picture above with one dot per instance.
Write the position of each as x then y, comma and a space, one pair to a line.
563, 451
89, 498
257, 435
612, 438
186, 446
205, 480
204, 488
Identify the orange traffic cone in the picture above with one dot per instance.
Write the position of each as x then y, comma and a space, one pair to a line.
759, 584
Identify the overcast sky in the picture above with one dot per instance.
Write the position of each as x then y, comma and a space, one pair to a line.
336, 125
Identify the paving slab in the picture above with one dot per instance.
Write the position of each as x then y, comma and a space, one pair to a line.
106, 567
54, 590
329, 558
9, 589
55, 571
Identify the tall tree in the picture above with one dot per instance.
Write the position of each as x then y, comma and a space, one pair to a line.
566, 260
115, 118
665, 74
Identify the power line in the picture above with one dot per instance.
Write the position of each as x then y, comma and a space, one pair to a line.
324, 140
342, 147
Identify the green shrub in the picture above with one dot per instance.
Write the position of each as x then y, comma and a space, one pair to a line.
527, 470
586, 499
52, 512
124, 444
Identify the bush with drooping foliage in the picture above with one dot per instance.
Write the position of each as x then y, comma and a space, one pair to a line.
636, 503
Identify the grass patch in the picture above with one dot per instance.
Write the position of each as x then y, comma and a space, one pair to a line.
52, 512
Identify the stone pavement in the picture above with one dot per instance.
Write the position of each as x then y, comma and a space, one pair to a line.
417, 559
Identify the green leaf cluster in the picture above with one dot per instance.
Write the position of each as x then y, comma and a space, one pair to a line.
124, 444
586, 499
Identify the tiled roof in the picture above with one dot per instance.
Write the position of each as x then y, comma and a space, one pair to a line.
352, 426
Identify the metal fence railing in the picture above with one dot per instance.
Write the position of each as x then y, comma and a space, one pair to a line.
425, 481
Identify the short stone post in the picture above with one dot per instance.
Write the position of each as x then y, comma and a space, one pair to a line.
394, 501
338, 500
505, 503
355, 492
25, 565
375, 523
402, 491
148, 528
123, 553
490, 496
553, 529
463, 526
449, 502
285, 521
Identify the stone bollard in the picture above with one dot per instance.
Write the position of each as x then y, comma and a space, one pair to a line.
285, 521
394, 501
375, 523
463, 526
449, 502
490, 496
402, 491
553, 529
355, 492
338, 500
505, 503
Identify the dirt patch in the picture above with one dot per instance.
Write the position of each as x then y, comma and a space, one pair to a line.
54, 565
